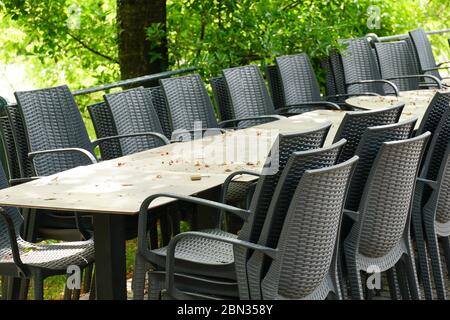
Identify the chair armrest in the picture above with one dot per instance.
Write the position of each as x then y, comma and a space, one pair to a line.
226, 184
391, 84
17, 181
419, 76
143, 211
330, 105
432, 184
273, 117
442, 63
84, 152
352, 95
13, 240
435, 68
170, 257
122, 136
351, 214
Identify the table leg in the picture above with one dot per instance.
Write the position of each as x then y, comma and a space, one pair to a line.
109, 238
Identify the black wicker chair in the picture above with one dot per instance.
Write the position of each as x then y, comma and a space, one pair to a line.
424, 54
355, 124
159, 102
367, 150
431, 220
275, 86
396, 64
294, 267
26, 260
221, 98
104, 126
361, 71
380, 239
299, 84
135, 116
260, 204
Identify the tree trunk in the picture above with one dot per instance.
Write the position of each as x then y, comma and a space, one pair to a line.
134, 16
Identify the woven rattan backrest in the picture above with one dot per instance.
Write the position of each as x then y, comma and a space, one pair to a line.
51, 121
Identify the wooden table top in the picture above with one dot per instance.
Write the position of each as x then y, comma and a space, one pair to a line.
119, 186
416, 102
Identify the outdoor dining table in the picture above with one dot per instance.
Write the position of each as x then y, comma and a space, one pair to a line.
111, 190
416, 102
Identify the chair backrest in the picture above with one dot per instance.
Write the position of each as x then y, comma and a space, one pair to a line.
248, 93
133, 112
159, 102
287, 144
9, 147
20, 141
298, 163
104, 126
308, 239
222, 98
436, 151
188, 102
435, 167
423, 50
298, 79
440, 199
359, 63
15, 215
433, 115
395, 59
275, 86
52, 120
367, 150
355, 124
386, 201
334, 74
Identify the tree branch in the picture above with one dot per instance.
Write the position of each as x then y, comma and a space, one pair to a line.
87, 47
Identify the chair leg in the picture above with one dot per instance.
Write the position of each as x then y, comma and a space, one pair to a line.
422, 255
436, 265
92, 290
24, 288
139, 277
88, 278
394, 289
4, 287
155, 287
67, 293
354, 277
446, 249
402, 280
38, 284
411, 273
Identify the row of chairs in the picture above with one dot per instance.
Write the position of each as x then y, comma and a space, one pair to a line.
291, 245
47, 125
366, 65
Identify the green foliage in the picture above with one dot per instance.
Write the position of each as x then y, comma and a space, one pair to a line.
213, 35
